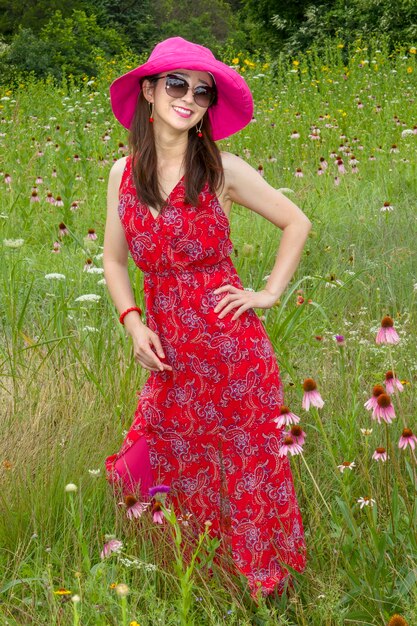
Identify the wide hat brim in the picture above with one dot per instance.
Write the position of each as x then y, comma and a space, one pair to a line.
233, 109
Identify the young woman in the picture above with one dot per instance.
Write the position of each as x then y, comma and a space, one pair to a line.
203, 429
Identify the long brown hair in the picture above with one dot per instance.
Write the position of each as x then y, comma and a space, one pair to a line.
202, 159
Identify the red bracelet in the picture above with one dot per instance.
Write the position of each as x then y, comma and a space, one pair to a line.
132, 308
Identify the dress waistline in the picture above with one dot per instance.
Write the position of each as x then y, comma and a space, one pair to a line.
182, 270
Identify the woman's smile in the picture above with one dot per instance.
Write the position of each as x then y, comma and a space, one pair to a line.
182, 112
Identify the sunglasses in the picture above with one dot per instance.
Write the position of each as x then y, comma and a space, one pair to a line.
177, 87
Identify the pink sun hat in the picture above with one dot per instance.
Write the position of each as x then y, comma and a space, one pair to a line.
234, 107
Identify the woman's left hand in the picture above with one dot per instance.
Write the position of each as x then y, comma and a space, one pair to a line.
243, 299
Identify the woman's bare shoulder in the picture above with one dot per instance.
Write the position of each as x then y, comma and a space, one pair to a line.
116, 173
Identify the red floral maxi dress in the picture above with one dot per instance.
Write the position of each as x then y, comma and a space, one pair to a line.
205, 429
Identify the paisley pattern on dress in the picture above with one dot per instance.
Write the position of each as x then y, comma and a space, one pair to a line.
208, 424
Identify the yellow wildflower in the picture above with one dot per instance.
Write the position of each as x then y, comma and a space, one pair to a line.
413, 50
340, 45
409, 70
235, 61
62, 592
295, 62
134, 623
265, 66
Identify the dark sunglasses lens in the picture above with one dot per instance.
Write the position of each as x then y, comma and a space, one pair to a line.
204, 96
176, 87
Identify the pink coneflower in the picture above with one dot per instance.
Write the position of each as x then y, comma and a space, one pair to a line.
340, 166
260, 170
298, 434
54, 174
295, 135
289, 445
272, 159
76, 157
157, 513
134, 508
74, 206
372, 158
88, 264
56, 247
323, 163
50, 198
387, 207
407, 439
337, 181
394, 148
320, 171
286, 417
384, 409
366, 502
340, 340
34, 197
114, 545
299, 172
311, 395
380, 454
59, 201
63, 230
360, 105
39, 180
346, 465
392, 382
371, 404
7, 179
333, 155
387, 332
91, 234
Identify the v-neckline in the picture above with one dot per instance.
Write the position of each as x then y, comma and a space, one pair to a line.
148, 211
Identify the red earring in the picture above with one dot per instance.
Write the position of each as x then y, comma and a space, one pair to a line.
198, 129
151, 111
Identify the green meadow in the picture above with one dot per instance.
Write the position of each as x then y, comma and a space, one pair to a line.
346, 119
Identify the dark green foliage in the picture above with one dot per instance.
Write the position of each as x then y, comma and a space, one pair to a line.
295, 26
33, 14
64, 45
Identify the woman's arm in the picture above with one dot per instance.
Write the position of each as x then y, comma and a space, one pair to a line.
115, 253
244, 185
115, 257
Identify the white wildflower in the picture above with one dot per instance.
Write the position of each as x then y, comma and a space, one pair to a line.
54, 275
94, 472
13, 243
95, 270
70, 487
88, 297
